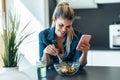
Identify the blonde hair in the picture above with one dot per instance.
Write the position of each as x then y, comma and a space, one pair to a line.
63, 10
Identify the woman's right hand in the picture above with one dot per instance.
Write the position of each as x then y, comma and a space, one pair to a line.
50, 49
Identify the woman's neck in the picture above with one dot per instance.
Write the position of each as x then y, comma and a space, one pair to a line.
61, 39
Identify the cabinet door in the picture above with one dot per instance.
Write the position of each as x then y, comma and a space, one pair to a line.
106, 58
107, 1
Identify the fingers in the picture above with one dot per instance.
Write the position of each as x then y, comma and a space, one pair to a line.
85, 47
50, 49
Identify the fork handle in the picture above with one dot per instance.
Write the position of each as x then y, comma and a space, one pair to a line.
60, 60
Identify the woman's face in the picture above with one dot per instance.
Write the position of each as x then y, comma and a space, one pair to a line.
62, 26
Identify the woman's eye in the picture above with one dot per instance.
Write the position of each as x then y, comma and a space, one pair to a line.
61, 25
68, 26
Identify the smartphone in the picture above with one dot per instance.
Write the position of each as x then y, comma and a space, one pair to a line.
84, 38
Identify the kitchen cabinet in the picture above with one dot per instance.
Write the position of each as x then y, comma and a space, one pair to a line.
81, 4
103, 58
107, 1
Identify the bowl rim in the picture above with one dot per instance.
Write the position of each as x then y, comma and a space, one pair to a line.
66, 62
57, 63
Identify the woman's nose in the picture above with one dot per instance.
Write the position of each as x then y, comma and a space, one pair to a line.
64, 29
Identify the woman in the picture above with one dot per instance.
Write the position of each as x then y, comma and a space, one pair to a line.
61, 39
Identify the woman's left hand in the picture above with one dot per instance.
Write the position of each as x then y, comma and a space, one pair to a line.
85, 46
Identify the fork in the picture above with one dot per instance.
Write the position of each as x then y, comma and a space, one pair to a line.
60, 60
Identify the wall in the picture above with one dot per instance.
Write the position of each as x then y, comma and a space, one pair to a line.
39, 9
96, 22
52, 5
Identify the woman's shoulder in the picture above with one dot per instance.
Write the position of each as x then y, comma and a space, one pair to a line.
47, 33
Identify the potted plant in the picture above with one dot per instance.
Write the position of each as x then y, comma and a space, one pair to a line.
13, 37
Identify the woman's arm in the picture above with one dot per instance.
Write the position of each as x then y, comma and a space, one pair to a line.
83, 58
84, 48
46, 49
46, 57
42, 45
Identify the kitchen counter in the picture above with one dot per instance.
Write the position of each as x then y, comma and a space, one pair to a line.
88, 73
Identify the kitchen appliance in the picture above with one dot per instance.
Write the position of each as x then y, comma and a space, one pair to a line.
114, 36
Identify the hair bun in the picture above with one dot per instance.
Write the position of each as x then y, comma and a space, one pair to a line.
63, 3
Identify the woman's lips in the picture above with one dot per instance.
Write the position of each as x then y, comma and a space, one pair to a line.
62, 33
